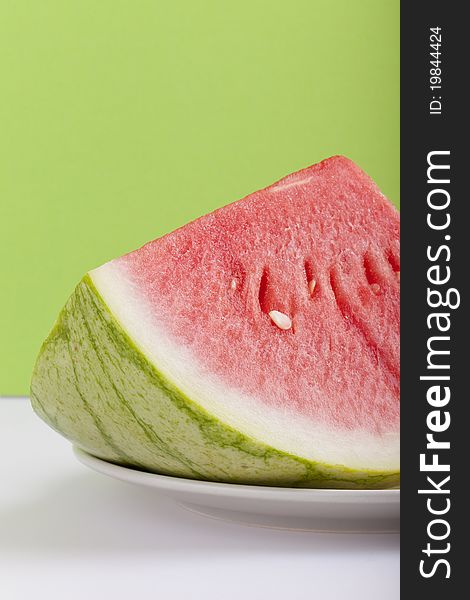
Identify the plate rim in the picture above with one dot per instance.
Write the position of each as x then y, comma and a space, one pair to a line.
172, 483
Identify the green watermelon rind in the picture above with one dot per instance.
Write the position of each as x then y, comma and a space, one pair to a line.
92, 384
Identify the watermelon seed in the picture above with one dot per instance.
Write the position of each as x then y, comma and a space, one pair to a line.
333, 285
280, 319
393, 260
263, 291
311, 286
370, 268
233, 284
375, 287
311, 282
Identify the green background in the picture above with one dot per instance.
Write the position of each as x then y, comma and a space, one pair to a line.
123, 119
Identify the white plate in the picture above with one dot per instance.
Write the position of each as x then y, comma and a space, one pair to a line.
368, 511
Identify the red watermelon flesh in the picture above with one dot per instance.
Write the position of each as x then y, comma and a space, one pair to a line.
321, 247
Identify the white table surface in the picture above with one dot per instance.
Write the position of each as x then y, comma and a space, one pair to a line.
68, 533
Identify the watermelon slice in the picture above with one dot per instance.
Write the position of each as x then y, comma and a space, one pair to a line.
258, 344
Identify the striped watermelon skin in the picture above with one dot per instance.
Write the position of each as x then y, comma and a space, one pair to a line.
94, 386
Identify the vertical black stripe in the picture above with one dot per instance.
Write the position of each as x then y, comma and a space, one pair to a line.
425, 128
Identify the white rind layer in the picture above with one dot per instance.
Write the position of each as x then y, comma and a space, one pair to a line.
280, 429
